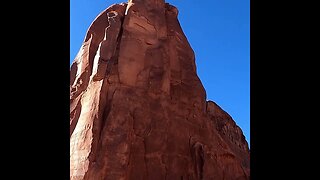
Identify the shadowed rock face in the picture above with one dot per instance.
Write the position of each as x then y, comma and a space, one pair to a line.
138, 109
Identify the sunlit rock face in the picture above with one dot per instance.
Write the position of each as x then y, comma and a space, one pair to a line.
138, 110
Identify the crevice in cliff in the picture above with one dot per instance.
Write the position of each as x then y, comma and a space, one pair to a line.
145, 158
197, 154
119, 38
129, 140
104, 103
96, 157
165, 168
111, 63
74, 116
166, 141
244, 173
104, 116
106, 113
73, 72
107, 95
97, 29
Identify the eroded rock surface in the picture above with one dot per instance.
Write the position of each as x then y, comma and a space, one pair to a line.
138, 109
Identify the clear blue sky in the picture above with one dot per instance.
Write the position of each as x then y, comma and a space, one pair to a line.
219, 33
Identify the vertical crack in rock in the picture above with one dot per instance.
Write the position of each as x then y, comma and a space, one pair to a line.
74, 115
138, 109
198, 157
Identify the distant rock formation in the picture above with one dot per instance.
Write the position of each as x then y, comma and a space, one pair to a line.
138, 110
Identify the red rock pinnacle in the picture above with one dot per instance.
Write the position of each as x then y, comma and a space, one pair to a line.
138, 109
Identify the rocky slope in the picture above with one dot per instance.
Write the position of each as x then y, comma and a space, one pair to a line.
137, 107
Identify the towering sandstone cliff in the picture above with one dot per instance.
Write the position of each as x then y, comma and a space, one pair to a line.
138, 110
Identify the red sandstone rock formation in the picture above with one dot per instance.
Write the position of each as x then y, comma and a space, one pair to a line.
138, 109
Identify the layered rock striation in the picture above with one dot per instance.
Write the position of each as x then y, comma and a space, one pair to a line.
137, 107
